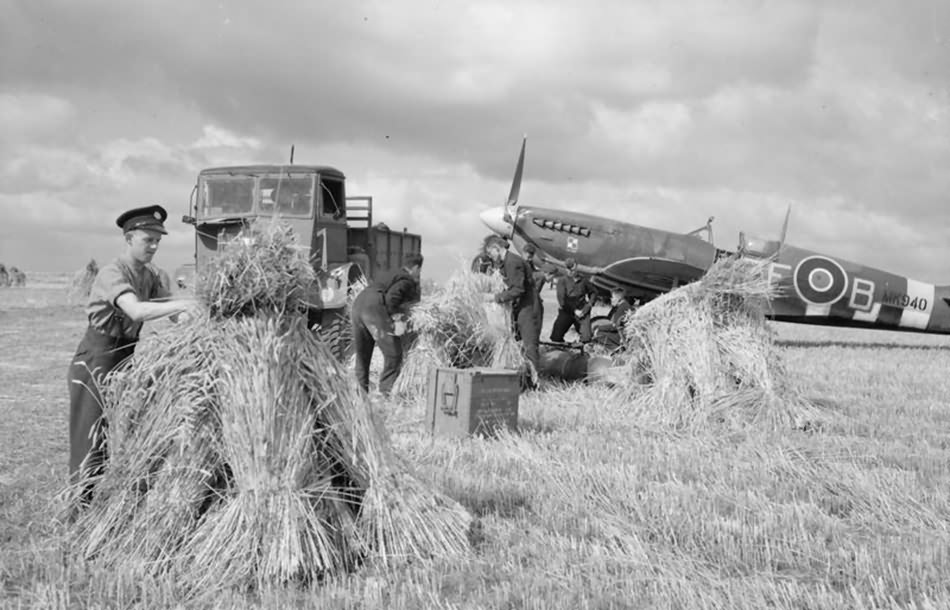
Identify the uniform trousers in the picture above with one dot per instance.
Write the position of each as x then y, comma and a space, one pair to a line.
528, 331
97, 355
565, 320
372, 326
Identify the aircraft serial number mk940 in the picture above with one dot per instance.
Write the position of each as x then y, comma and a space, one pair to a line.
904, 300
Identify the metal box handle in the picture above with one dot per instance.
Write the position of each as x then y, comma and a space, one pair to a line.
450, 398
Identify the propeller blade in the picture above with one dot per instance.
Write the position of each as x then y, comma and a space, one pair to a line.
516, 181
781, 239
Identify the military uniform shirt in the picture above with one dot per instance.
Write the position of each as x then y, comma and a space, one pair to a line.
114, 280
520, 290
573, 293
402, 292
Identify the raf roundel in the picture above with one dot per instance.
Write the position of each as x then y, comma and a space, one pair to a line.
820, 280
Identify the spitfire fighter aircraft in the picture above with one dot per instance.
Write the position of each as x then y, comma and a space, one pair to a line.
645, 262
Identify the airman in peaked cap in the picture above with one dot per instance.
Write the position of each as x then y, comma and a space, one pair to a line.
150, 217
127, 292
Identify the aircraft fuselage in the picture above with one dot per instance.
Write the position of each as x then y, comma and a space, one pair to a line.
820, 289
813, 288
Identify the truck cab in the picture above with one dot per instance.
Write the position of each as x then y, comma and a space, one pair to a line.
311, 199
338, 234
343, 245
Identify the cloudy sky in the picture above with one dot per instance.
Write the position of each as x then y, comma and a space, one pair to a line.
657, 113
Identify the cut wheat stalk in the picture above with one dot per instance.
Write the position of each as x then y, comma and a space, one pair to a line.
704, 355
456, 328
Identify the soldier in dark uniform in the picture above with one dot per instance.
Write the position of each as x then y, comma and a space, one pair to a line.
377, 318
481, 263
611, 333
575, 298
521, 294
534, 263
619, 307
120, 300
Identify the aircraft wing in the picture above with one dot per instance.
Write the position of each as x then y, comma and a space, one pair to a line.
647, 274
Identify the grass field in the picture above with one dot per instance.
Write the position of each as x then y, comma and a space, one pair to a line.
585, 507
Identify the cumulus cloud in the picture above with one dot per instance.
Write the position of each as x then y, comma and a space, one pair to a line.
27, 117
214, 137
660, 113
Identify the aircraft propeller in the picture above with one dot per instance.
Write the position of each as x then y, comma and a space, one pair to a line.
781, 238
511, 206
501, 220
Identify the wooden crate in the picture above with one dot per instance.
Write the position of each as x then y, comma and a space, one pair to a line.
461, 402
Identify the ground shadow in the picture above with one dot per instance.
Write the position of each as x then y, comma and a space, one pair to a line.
859, 345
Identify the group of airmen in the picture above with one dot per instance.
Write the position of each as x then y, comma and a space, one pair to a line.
576, 297
11, 277
129, 291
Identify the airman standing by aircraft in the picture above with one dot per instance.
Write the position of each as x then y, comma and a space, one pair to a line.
521, 293
575, 297
377, 318
534, 263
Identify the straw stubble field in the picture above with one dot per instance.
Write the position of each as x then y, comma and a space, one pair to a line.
585, 507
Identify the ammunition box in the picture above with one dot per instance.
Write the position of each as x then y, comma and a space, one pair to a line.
462, 402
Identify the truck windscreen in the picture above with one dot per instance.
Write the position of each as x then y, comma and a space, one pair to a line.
226, 196
288, 196
229, 195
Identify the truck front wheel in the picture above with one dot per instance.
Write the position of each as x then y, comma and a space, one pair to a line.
333, 328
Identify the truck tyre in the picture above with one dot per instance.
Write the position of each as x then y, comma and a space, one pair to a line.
333, 328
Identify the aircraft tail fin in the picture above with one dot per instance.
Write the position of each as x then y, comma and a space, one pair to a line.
942, 294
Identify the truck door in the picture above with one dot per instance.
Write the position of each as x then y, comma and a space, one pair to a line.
329, 236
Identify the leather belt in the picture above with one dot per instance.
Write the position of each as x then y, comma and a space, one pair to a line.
106, 335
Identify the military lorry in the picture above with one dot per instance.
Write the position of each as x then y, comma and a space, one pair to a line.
344, 246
